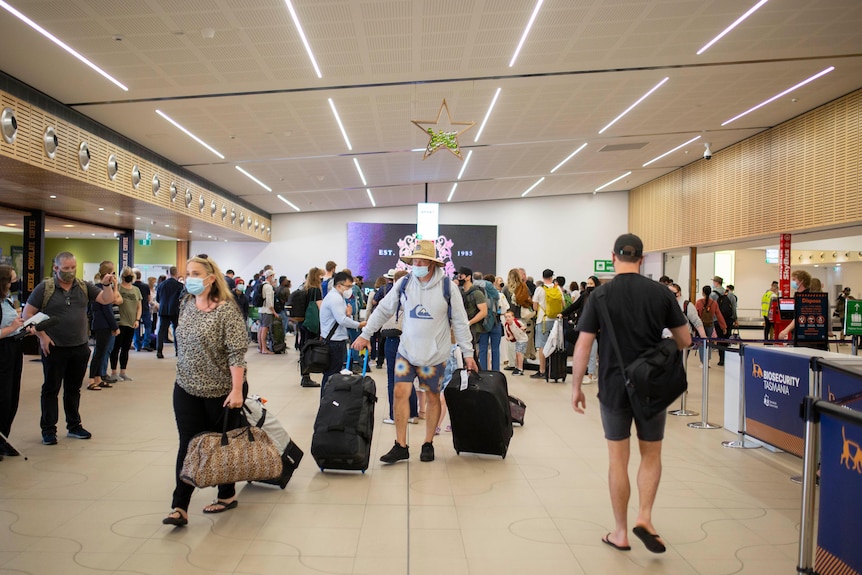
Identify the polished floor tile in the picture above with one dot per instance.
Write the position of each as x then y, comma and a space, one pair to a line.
95, 506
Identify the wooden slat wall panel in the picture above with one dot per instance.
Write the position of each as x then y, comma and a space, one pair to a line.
800, 175
28, 148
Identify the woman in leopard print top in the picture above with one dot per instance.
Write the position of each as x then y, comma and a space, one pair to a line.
211, 346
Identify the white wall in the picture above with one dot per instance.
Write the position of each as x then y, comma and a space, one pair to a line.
564, 233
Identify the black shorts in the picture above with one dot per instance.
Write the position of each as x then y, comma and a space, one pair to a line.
617, 423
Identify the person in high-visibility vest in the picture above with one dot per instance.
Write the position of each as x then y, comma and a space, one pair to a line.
766, 309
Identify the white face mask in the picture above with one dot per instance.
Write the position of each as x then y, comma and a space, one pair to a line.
420, 271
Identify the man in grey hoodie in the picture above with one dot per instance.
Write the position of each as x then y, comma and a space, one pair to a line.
433, 311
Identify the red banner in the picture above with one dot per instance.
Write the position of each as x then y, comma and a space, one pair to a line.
784, 265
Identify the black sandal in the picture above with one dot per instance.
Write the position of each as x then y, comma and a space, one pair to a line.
95, 387
176, 519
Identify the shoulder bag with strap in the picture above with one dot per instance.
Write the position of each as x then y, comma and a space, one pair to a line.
656, 378
314, 355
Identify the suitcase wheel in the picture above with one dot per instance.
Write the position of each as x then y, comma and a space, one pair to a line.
363, 472
321, 470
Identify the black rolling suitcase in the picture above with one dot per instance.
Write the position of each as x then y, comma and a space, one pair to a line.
556, 367
275, 339
345, 421
480, 413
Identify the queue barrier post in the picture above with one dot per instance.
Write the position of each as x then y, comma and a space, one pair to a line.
740, 441
682, 411
810, 458
703, 423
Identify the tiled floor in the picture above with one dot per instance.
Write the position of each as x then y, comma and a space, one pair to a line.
96, 506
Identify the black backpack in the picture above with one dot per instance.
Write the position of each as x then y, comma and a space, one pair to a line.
725, 306
279, 300
257, 294
297, 302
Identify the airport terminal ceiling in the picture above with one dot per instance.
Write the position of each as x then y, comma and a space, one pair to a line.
238, 76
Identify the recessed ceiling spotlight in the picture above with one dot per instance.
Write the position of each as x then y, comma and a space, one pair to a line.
53, 197
101, 209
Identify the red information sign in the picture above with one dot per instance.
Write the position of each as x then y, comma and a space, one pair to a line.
784, 265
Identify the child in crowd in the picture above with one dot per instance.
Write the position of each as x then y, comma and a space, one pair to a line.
514, 331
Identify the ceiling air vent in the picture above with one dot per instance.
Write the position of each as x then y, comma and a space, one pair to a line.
50, 142
9, 125
233, 216
223, 211
623, 147
188, 197
84, 156
201, 203
156, 184
213, 208
136, 176
113, 167
173, 191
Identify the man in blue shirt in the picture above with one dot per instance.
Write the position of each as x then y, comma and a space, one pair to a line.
333, 311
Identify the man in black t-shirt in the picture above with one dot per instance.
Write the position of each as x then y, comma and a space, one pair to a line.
142, 338
639, 309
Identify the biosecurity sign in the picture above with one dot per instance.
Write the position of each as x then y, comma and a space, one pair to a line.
775, 385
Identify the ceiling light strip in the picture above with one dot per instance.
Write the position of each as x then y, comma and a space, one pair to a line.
671, 151
371, 197
732, 26
61, 44
600, 188
255, 180
302, 37
189, 134
784, 93
630, 108
340, 125
452, 193
283, 199
488, 114
526, 31
572, 155
358, 169
530, 189
464, 166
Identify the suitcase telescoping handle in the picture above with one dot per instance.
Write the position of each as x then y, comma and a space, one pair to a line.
347, 370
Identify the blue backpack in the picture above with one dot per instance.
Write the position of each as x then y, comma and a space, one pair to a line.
493, 297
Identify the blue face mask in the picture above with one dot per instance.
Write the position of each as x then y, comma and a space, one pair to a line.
195, 286
794, 284
420, 271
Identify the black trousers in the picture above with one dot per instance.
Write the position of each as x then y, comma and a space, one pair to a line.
11, 364
64, 367
196, 415
122, 345
165, 321
103, 336
337, 357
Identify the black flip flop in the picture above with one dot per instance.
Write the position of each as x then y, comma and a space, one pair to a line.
224, 506
650, 540
607, 540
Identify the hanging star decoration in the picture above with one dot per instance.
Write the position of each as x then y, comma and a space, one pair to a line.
443, 137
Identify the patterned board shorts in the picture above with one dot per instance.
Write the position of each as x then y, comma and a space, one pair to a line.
430, 377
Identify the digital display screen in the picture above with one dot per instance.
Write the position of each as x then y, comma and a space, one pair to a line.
772, 255
375, 248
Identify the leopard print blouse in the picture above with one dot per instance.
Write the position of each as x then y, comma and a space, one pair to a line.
209, 343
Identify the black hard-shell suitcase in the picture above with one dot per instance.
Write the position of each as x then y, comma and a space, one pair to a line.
556, 367
275, 339
480, 414
345, 422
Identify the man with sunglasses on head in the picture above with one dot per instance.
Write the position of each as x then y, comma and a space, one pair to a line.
64, 345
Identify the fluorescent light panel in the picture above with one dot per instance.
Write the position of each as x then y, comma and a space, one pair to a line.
340, 125
600, 188
572, 155
526, 31
358, 169
189, 134
732, 26
283, 199
630, 108
530, 189
784, 93
61, 44
671, 151
371, 197
255, 180
452, 193
491, 107
302, 37
464, 166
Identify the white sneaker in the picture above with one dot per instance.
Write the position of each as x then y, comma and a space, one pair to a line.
413, 420
594, 378
586, 379
389, 421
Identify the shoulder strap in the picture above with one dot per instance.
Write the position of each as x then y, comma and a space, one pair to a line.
601, 304
447, 293
49, 291
332, 332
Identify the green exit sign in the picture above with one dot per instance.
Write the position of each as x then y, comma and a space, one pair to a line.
144, 242
603, 266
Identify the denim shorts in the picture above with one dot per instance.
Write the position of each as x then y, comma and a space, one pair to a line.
430, 377
543, 330
617, 424
520, 347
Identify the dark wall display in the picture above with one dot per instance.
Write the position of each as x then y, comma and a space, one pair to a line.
374, 248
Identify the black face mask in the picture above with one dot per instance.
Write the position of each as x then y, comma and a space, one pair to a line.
128, 279
15, 286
